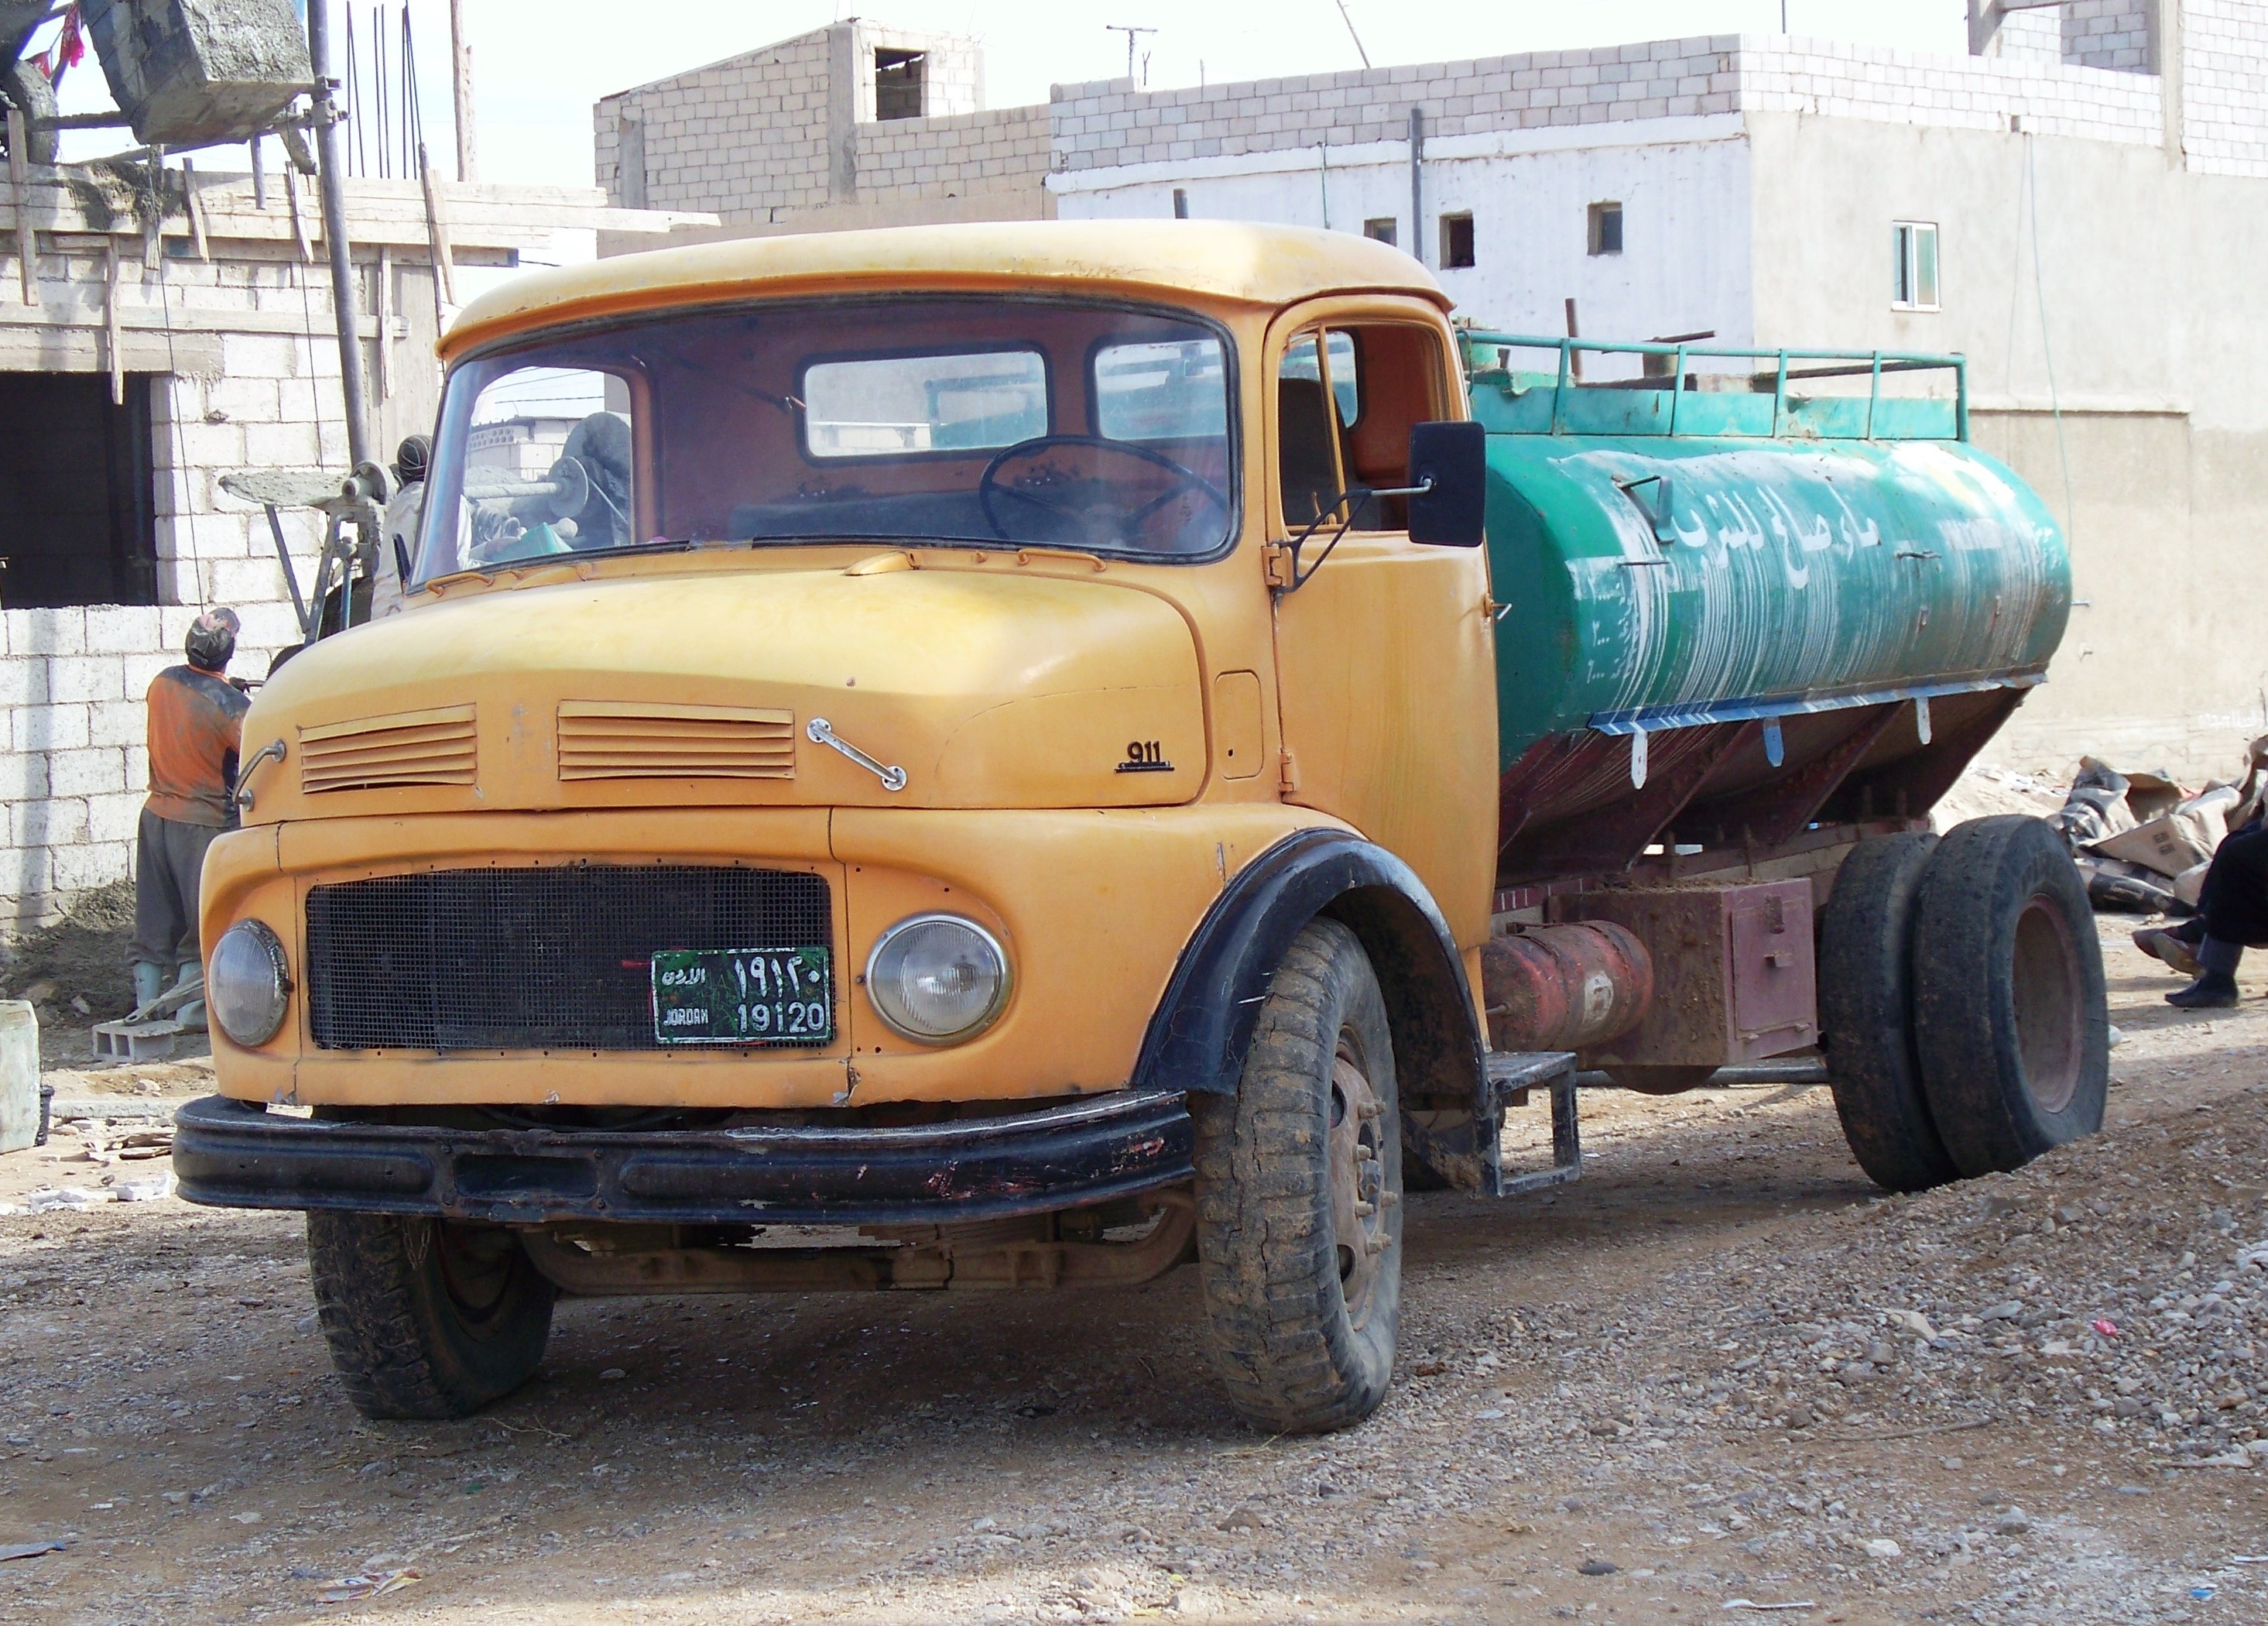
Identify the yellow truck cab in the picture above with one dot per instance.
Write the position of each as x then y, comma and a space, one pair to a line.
842, 764
970, 758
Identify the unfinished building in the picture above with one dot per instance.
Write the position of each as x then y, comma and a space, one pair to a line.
144, 353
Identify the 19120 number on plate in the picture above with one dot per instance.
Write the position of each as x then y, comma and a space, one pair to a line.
743, 996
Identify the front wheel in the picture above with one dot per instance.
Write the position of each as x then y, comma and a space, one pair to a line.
1299, 1190
426, 1318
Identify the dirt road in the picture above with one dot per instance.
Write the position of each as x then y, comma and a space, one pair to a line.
1718, 1369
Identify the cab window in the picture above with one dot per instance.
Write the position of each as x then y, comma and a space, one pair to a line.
1346, 398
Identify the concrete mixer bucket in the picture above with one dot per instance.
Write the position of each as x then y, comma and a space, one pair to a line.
189, 73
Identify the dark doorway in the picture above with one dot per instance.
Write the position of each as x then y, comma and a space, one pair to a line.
77, 524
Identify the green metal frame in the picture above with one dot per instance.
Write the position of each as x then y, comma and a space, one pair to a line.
1786, 412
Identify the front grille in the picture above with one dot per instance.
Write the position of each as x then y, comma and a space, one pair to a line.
629, 740
408, 748
531, 959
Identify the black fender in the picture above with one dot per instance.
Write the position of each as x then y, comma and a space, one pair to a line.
1199, 1034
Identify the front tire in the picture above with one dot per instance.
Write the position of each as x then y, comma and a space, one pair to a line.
1298, 1191
2011, 1024
426, 1318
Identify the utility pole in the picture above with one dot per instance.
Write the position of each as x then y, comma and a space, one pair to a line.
1131, 33
461, 83
325, 117
1347, 17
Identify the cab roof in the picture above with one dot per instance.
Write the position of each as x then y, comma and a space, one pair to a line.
1264, 265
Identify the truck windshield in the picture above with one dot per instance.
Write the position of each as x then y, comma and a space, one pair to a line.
989, 422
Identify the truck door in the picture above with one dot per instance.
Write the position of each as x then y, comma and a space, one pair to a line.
1384, 655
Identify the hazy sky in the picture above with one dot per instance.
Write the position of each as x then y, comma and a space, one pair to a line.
541, 64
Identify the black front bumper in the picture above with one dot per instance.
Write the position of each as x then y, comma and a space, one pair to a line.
237, 1154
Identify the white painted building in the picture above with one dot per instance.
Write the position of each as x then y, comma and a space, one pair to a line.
2080, 208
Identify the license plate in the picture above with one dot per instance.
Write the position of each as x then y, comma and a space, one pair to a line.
743, 996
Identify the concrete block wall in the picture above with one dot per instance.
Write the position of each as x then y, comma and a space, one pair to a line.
2225, 86
975, 152
1108, 124
2106, 33
792, 126
740, 137
73, 769
2035, 36
73, 766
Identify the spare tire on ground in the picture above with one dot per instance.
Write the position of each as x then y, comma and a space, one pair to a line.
2011, 1024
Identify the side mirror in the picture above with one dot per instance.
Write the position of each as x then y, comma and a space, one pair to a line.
1450, 460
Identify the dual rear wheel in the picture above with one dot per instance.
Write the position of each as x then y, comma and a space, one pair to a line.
1961, 1001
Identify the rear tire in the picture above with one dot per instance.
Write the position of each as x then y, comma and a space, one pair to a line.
1866, 1013
1298, 1191
426, 1318
2011, 1025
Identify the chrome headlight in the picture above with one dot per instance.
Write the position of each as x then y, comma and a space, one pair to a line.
248, 984
937, 977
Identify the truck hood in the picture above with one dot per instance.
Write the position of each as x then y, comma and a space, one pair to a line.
988, 687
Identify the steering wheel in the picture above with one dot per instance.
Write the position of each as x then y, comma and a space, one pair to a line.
1086, 521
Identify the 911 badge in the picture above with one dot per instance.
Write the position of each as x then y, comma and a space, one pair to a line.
1144, 756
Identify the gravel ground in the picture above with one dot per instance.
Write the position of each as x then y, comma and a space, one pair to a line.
1721, 1368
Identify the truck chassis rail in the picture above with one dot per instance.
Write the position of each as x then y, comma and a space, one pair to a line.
236, 1154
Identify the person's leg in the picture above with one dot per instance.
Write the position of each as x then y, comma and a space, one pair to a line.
187, 845
2236, 915
158, 922
2216, 987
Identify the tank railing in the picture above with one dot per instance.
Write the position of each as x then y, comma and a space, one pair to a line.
1870, 364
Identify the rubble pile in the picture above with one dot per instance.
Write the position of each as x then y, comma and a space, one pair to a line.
2145, 842
2118, 1287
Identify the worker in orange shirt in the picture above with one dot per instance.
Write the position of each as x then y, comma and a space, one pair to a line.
197, 730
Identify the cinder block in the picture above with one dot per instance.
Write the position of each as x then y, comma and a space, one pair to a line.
89, 864
49, 728
26, 884
45, 632
22, 681
114, 722
114, 818
264, 355
280, 445
85, 677
54, 821
93, 772
123, 628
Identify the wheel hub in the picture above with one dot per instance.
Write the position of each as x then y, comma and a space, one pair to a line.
1360, 1203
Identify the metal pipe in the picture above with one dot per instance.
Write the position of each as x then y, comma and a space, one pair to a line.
326, 121
1418, 184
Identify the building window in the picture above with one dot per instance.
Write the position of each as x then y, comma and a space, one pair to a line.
1606, 229
1913, 271
1181, 204
898, 85
1456, 241
77, 509
1380, 230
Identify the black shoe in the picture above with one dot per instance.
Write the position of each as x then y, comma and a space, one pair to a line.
2214, 990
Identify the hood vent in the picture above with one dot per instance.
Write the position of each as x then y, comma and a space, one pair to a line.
632, 740
374, 753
